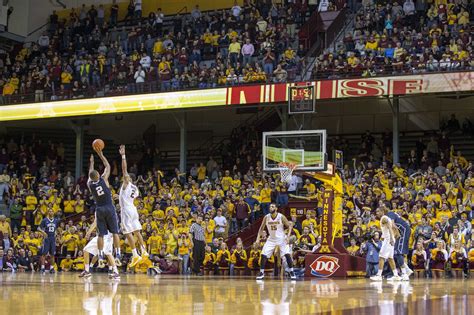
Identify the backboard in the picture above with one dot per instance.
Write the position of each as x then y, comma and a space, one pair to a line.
305, 148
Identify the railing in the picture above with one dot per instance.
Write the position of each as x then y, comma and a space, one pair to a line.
385, 70
121, 89
159, 86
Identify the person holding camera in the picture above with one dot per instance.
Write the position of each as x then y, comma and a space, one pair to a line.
371, 247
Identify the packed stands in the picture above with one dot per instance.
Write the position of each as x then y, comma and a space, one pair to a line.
402, 38
86, 55
432, 188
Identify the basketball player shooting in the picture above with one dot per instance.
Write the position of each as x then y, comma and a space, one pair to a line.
105, 213
275, 223
389, 235
131, 226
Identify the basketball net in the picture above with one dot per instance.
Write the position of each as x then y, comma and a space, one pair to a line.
286, 170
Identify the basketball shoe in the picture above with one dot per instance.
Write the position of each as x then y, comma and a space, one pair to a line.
85, 274
395, 278
135, 261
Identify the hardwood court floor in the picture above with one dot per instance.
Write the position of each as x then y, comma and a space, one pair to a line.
141, 294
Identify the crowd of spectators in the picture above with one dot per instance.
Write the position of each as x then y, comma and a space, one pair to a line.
403, 37
432, 188
88, 55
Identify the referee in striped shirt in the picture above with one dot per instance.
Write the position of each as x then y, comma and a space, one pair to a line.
199, 244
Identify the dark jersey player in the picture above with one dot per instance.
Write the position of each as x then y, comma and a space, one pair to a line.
48, 227
401, 244
106, 216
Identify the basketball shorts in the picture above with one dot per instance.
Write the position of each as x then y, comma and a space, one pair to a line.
130, 220
49, 246
106, 220
270, 245
401, 244
387, 250
93, 249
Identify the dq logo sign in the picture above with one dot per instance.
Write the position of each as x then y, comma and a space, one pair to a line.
324, 266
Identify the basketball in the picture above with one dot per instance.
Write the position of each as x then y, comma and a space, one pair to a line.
98, 144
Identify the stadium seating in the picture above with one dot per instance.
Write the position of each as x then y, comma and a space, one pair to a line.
36, 176
85, 56
401, 38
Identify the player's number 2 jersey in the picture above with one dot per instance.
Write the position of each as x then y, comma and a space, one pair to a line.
127, 196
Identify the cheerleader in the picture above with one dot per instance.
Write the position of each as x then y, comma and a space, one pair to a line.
418, 260
471, 259
254, 257
223, 259
457, 257
239, 259
209, 263
439, 256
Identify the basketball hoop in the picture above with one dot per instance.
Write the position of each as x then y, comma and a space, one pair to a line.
286, 170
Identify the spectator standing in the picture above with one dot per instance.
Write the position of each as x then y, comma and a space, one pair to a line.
234, 51
4, 183
242, 211
16, 213
196, 13
139, 77
100, 15
43, 41
280, 74
5, 228
268, 61
158, 23
247, 52
236, 9
114, 13
221, 225
138, 10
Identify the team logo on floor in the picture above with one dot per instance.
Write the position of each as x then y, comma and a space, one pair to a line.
324, 266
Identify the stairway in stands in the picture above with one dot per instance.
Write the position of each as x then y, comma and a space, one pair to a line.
68, 138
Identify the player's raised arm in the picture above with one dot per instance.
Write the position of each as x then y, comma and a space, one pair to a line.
91, 163
124, 165
262, 227
106, 173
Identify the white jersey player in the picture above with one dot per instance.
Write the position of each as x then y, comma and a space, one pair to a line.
92, 248
131, 226
128, 211
389, 235
275, 223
